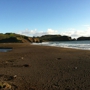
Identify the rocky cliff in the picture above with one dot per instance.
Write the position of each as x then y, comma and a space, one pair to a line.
16, 38
83, 38
55, 38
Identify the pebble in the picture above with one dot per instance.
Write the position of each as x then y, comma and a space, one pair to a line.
22, 58
15, 76
75, 67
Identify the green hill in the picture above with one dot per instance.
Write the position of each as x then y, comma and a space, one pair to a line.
17, 38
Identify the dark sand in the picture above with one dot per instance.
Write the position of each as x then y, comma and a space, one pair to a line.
30, 67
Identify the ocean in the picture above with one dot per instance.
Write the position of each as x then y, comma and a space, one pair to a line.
84, 45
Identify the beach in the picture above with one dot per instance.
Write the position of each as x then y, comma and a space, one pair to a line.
35, 67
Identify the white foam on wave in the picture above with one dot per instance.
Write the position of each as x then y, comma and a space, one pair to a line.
85, 45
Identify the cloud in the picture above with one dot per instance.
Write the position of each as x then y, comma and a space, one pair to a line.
77, 33
72, 32
26, 32
50, 31
37, 33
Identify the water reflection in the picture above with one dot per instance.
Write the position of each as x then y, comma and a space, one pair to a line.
5, 49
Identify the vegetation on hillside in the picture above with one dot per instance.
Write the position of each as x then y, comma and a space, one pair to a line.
11, 38
17, 38
55, 38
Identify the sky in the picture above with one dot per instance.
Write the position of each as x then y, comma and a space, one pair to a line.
41, 17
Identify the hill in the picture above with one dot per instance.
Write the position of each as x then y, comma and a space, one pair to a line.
55, 38
17, 38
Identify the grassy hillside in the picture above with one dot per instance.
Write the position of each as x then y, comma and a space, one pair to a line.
12, 37
17, 38
55, 38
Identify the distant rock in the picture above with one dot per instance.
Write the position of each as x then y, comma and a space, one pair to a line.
36, 40
65, 38
83, 38
30, 39
55, 38
17, 38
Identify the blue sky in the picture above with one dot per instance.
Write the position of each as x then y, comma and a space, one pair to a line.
39, 17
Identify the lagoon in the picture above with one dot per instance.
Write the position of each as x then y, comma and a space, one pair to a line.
5, 49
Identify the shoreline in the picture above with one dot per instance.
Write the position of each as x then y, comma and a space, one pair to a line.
82, 45
33, 67
63, 47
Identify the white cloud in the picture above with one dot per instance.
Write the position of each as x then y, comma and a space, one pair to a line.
77, 33
27, 32
50, 31
37, 33
69, 32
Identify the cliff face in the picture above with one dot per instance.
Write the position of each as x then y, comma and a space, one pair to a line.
37, 40
13, 38
16, 38
83, 38
55, 38
10, 40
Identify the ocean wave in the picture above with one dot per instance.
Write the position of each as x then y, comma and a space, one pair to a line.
85, 45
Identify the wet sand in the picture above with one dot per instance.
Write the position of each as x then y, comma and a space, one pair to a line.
30, 67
